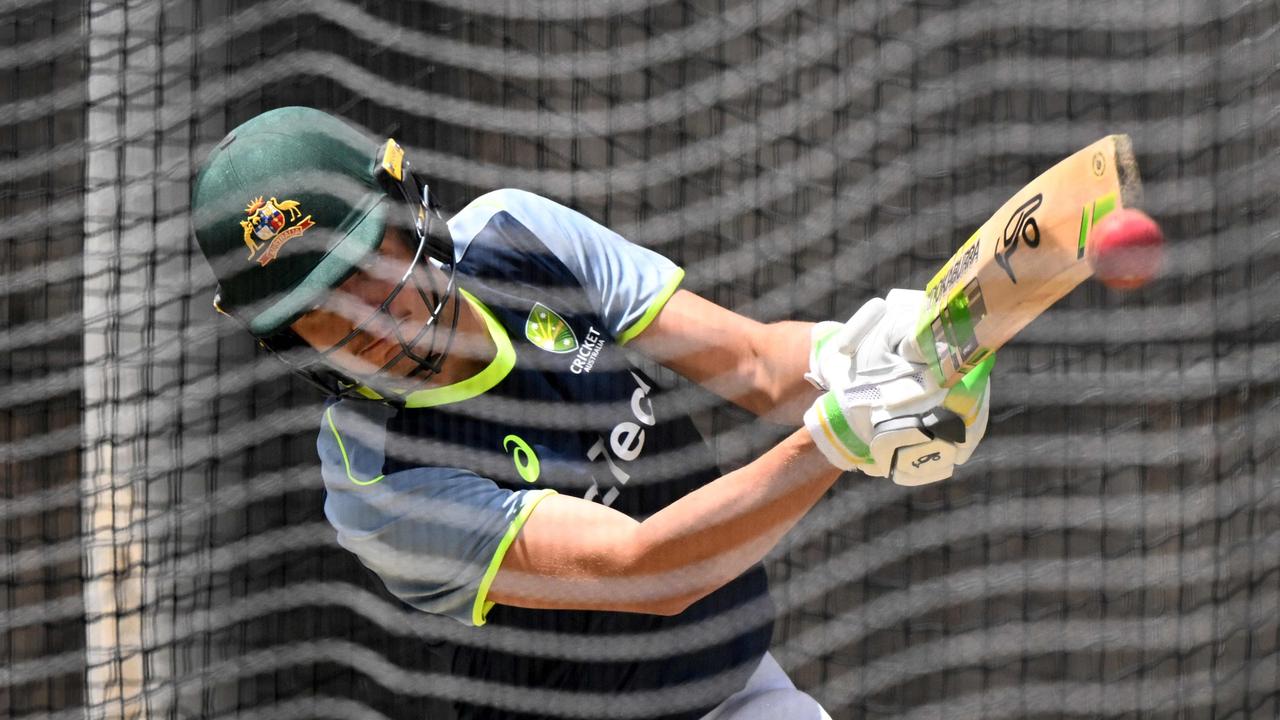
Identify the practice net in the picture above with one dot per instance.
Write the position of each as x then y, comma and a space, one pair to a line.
1112, 550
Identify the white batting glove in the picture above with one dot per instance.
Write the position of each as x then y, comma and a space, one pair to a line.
875, 343
885, 415
832, 345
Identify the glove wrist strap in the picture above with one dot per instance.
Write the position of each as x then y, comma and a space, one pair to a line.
835, 439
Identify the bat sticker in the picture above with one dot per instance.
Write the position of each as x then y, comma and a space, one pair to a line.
1021, 226
931, 457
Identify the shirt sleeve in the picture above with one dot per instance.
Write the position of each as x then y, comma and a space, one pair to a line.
629, 284
435, 536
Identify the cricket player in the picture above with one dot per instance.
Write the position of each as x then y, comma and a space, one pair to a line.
490, 452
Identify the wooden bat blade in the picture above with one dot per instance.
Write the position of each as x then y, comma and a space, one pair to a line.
1023, 259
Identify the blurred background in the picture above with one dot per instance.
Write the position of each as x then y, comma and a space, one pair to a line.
1113, 549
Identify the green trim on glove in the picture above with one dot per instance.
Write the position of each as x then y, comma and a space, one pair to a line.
834, 436
834, 416
821, 342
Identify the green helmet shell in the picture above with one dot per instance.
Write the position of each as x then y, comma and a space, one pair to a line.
284, 210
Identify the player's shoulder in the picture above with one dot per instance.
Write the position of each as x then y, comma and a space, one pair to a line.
353, 434
352, 445
524, 206
518, 221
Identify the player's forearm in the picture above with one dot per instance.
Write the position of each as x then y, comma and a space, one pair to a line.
717, 532
781, 352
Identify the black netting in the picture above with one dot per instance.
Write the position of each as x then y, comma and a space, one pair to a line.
1110, 551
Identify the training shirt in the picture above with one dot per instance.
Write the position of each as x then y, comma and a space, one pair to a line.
430, 496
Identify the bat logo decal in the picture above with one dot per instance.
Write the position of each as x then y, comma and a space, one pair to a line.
1021, 226
925, 459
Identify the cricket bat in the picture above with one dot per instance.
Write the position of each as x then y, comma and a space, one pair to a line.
1022, 260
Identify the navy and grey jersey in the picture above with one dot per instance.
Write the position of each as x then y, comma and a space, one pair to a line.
431, 495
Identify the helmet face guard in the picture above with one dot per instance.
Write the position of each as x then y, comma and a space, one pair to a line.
433, 243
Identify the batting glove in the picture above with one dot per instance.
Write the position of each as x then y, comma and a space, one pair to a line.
885, 415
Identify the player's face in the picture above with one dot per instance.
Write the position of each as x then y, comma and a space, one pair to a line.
358, 301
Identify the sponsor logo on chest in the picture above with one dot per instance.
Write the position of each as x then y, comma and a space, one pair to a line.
608, 456
624, 444
547, 330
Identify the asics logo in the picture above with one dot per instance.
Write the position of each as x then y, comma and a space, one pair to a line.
525, 458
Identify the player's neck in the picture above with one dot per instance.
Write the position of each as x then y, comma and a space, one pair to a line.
473, 347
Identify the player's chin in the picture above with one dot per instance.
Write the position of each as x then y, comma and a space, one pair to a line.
402, 370
379, 374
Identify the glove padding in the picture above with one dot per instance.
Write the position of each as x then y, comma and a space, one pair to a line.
873, 343
833, 345
884, 413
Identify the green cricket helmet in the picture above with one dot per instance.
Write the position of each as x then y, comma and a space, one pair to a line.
286, 208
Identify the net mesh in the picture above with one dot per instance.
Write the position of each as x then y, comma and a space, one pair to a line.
1110, 551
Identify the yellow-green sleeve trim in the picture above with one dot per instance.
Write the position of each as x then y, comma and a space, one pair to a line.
346, 463
481, 607
654, 308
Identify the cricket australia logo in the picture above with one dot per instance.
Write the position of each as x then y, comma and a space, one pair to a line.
547, 330
267, 227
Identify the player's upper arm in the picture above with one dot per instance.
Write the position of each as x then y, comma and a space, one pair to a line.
451, 542
577, 554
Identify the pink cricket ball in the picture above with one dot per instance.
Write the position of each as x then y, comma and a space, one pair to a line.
1126, 249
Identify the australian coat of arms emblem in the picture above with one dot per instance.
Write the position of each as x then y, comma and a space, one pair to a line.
267, 227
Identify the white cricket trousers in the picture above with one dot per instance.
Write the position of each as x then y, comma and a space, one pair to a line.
769, 695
